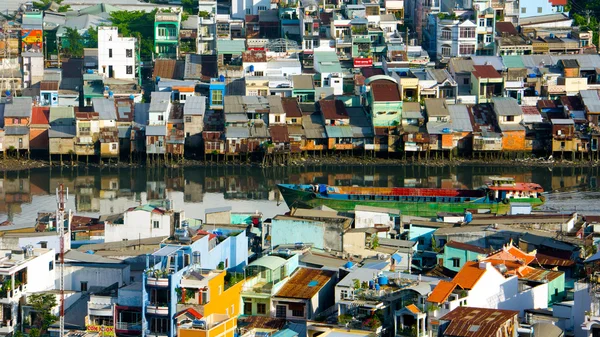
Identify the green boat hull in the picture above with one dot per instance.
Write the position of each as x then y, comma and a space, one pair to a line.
304, 199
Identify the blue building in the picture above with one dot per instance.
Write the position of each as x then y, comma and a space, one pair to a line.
531, 8
165, 268
216, 92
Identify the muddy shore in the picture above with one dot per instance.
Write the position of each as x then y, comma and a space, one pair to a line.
13, 164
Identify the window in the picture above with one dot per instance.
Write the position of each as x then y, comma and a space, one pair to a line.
421, 241
523, 10
155, 224
113, 147
129, 70
247, 308
160, 143
217, 97
510, 118
129, 52
466, 81
15, 121
44, 244
280, 311
51, 265
467, 33
261, 308
446, 50
262, 8
188, 119
466, 49
160, 117
84, 285
110, 53
539, 10
481, 22
446, 34
489, 39
456, 262
258, 73
298, 312
277, 119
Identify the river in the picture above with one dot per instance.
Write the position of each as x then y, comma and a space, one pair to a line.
95, 191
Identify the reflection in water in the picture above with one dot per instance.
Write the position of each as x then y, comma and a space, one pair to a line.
107, 191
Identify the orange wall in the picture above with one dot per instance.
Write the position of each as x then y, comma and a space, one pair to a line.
225, 329
38, 139
332, 144
447, 141
10, 121
222, 303
513, 141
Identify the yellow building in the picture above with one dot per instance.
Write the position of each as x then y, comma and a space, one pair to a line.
211, 292
215, 325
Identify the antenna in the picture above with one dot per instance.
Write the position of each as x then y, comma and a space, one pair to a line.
61, 198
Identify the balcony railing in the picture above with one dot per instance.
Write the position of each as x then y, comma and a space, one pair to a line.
130, 326
166, 38
158, 309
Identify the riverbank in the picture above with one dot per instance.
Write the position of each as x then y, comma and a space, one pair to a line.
13, 164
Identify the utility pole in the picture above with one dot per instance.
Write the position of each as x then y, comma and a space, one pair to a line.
588, 13
61, 198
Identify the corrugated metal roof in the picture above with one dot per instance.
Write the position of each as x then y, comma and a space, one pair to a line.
62, 115
438, 128
159, 101
591, 100
360, 123
506, 106
279, 133
313, 126
158, 130
237, 132
270, 262
14, 130
195, 105
436, 107
494, 61
231, 46
303, 82
105, 108
412, 110
459, 116
342, 131
20, 107
62, 131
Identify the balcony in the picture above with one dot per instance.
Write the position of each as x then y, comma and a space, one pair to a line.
6, 327
206, 37
345, 40
157, 281
157, 309
168, 38
129, 326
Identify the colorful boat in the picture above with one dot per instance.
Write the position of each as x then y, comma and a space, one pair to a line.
496, 196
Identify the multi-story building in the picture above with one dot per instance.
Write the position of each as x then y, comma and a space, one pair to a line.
166, 34
207, 27
116, 54
454, 36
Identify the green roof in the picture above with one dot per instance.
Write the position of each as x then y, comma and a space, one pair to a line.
60, 115
231, 46
328, 62
270, 262
98, 9
513, 61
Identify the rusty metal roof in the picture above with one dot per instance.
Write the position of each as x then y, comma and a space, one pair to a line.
476, 322
305, 283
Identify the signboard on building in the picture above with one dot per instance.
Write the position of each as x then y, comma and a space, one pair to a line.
363, 62
31, 40
102, 330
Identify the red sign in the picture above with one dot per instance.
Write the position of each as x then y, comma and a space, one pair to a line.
257, 48
363, 62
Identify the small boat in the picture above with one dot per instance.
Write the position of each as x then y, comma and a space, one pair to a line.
495, 197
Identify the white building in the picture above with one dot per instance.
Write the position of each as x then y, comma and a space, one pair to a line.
90, 273
146, 221
116, 55
160, 106
241, 8
366, 216
23, 272
455, 38
207, 27
33, 68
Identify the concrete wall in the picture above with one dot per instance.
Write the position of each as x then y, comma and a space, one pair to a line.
218, 218
426, 233
108, 39
94, 276
39, 275
138, 224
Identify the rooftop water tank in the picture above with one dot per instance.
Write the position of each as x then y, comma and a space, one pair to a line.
252, 68
383, 280
349, 264
131, 97
221, 78
377, 286
90, 71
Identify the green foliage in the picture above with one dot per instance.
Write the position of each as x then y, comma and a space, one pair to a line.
204, 14
42, 305
137, 24
221, 265
189, 6
375, 242
345, 318
232, 279
44, 4
92, 37
75, 41
356, 283
372, 323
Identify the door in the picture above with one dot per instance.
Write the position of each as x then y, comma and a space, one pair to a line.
110, 71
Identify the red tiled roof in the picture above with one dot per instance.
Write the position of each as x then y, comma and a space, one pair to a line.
333, 109
291, 107
506, 28
441, 292
469, 275
476, 322
190, 311
49, 85
486, 71
40, 115
468, 247
370, 71
539, 275
385, 91
413, 308
530, 110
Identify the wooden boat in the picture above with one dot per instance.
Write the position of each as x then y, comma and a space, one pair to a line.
496, 196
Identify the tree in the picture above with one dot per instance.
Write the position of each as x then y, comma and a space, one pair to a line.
45, 4
92, 37
42, 305
189, 6
75, 41
138, 24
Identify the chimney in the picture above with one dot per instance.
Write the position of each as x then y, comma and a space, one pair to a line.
484, 265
